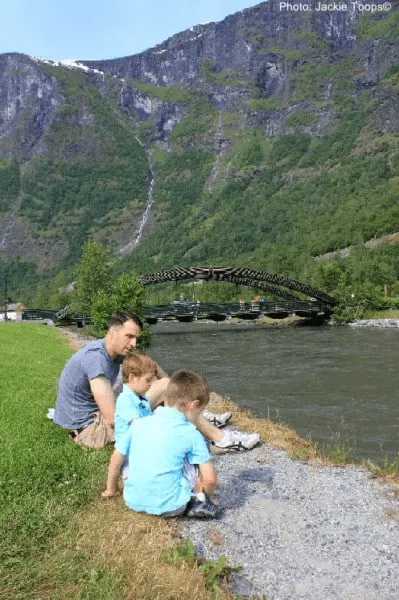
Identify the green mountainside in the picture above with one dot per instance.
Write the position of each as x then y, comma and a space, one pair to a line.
283, 148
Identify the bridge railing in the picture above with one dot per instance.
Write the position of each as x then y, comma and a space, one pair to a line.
32, 314
232, 308
55, 315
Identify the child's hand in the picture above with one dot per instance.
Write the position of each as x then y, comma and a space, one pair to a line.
110, 493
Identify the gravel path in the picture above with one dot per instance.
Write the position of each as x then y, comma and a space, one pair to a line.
302, 532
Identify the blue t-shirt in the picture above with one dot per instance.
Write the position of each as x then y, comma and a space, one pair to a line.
76, 407
129, 406
157, 446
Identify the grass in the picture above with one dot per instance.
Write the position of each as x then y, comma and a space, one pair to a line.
44, 477
276, 434
214, 572
338, 452
58, 540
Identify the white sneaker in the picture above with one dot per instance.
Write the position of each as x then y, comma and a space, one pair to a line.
236, 441
219, 420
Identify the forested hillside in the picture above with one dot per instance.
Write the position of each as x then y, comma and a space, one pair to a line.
272, 138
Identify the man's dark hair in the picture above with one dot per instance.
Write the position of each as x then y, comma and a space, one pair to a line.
119, 318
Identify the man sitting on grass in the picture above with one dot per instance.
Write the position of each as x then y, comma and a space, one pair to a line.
86, 399
170, 472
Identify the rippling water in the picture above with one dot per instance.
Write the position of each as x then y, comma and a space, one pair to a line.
327, 383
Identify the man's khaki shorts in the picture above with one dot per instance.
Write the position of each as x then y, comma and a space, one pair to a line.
96, 435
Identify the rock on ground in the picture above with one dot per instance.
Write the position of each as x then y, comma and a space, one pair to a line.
391, 323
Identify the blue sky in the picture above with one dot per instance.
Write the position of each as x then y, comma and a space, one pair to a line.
98, 29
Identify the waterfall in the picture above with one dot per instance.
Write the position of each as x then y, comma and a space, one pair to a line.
218, 150
150, 200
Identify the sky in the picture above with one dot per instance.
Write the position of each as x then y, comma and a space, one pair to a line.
96, 29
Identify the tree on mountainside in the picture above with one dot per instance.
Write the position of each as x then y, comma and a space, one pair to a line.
59, 294
41, 297
93, 275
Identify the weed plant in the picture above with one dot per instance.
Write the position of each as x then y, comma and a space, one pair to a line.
214, 572
388, 471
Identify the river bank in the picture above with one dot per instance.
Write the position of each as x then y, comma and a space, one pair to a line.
298, 530
335, 385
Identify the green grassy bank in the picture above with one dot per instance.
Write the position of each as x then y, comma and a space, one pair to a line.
58, 540
44, 478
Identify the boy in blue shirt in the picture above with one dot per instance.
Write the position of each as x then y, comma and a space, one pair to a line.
138, 373
170, 472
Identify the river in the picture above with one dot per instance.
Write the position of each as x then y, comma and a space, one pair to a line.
334, 384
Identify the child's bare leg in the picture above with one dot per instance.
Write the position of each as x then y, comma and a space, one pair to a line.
114, 470
199, 484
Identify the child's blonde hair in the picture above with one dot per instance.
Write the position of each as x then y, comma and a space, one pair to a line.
137, 364
185, 386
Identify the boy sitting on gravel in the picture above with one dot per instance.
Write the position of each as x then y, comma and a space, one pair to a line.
170, 472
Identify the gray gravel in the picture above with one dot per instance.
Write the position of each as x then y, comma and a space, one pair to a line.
302, 532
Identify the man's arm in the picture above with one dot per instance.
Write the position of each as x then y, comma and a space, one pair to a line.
104, 398
114, 470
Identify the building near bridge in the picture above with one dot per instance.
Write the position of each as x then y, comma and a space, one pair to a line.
14, 311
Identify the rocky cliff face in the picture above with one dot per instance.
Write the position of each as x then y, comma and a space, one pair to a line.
294, 61
256, 53
29, 99
241, 43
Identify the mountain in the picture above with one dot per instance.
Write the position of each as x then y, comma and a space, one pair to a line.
265, 139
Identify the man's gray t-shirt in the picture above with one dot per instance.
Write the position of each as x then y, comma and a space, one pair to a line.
75, 408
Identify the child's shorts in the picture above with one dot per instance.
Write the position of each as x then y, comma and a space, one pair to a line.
125, 469
190, 472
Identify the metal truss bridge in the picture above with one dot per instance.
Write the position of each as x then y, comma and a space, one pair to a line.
318, 303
